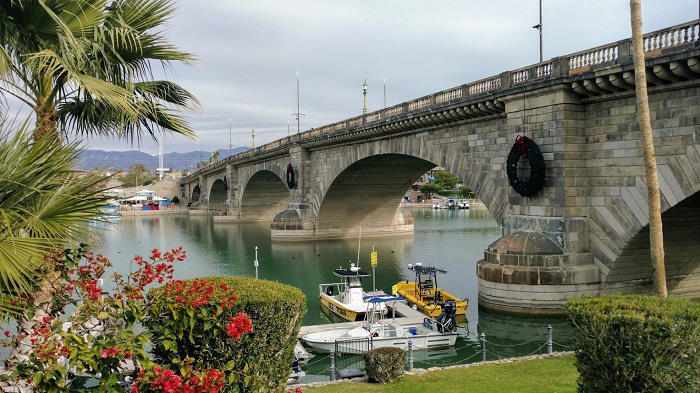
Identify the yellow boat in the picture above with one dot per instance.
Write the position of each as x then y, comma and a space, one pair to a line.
346, 299
425, 294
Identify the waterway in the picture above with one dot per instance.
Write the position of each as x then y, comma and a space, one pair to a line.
451, 239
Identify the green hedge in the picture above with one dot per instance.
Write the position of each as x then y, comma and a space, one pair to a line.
629, 344
260, 361
385, 364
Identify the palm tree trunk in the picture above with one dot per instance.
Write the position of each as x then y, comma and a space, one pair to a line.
655, 226
46, 124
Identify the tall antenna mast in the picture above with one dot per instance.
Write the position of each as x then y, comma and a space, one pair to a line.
252, 137
298, 114
539, 28
230, 140
364, 97
384, 93
161, 161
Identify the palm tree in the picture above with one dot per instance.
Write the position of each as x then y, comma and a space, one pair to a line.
44, 206
655, 226
85, 66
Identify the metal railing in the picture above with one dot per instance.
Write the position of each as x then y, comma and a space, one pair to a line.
609, 54
347, 353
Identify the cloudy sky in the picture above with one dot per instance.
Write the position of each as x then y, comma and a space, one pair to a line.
250, 50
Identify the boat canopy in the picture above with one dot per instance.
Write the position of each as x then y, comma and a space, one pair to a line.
351, 272
382, 299
420, 269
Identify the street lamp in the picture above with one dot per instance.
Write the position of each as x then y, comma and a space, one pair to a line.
364, 97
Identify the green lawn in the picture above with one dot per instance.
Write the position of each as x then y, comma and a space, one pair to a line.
555, 375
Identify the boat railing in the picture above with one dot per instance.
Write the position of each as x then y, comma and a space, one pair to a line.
353, 346
335, 287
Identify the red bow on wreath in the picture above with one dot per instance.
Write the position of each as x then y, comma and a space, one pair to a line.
521, 144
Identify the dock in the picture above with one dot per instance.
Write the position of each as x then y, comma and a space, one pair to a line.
405, 315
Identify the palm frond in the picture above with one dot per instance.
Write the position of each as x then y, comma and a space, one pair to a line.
167, 91
90, 118
5, 64
44, 204
83, 16
49, 62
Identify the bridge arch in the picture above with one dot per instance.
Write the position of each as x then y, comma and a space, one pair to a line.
196, 194
403, 160
682, 252
218, 194
368, 192
264, 194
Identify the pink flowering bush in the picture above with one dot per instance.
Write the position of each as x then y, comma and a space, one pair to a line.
79, 331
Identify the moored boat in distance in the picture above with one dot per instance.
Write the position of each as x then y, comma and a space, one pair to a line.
425, 294
346, 299
378, 332
463, 204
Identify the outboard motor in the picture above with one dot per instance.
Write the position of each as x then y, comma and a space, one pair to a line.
447, 321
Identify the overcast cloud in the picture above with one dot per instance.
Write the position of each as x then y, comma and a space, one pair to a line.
249, 51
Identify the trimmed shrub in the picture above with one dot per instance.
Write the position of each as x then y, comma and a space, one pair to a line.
385, 364
629, 344
256, 362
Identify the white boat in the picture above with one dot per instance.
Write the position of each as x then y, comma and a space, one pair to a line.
463, 204
440, 204
451, 204
377, 332
346, 299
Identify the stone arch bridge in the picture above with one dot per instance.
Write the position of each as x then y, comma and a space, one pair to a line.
585, 233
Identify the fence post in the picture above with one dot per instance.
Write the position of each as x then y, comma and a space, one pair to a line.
550, 342
410, 354
483, 347
332, 355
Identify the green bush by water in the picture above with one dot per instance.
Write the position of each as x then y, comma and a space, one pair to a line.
385, 364
258, 362
632, 344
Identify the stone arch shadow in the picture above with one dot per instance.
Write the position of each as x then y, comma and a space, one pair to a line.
264, 194
218, 194
196, 194
681, 228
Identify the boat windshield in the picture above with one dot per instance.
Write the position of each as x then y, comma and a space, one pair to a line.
354, 282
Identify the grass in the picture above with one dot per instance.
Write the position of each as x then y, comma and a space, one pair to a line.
554, 375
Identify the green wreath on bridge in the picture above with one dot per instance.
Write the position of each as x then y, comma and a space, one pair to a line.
525, 147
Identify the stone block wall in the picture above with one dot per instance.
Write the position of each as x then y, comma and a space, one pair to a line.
618, 194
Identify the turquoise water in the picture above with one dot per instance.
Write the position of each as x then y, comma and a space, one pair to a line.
451, 239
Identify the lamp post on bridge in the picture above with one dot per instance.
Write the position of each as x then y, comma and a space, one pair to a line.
364, 97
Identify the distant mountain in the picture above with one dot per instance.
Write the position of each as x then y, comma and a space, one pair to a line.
93, 159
